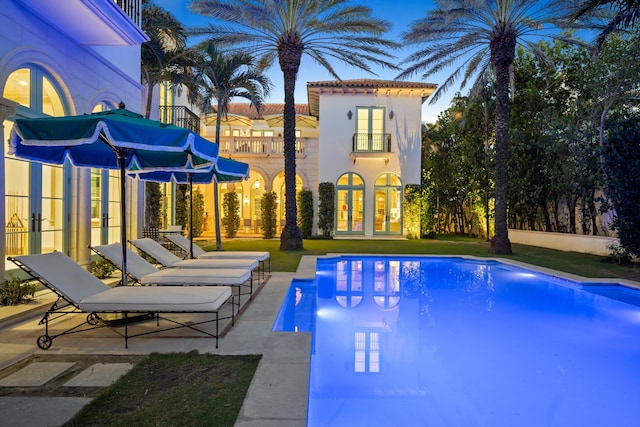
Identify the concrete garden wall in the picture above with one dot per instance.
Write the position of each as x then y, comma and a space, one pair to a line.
596, 245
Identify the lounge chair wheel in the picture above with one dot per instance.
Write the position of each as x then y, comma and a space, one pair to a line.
93, 319
44, 341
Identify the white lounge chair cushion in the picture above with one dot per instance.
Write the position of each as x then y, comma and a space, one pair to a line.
257, 255
197, 276
200, 253
249, 264
154, 299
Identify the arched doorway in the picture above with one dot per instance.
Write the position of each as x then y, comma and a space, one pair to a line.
35, 206
350, 204
388, 201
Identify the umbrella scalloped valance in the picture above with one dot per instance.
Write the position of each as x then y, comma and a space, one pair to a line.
114, 139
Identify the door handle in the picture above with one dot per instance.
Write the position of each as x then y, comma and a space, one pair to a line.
36, 222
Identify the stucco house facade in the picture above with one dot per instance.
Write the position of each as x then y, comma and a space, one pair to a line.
64, 58
363, 135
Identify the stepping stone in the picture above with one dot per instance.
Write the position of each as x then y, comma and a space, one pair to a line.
99, 375
35, 374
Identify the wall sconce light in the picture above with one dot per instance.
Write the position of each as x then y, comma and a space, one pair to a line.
391, 115
349, 114
246, 200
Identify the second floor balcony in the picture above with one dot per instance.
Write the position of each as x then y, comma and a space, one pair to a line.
372, 146
180, 116
371, 143
259, 145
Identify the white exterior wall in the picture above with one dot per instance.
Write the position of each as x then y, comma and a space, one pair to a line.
596, 245
336, 131
86, 78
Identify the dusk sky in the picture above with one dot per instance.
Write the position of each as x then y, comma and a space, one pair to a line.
400, 13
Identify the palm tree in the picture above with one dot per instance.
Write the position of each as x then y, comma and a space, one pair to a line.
163, 54
287, 29
624, 15
472, 36
219, 78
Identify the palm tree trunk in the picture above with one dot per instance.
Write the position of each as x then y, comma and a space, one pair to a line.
291, 237
500, 54
216, 208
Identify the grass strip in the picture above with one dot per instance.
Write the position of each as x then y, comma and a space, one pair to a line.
187, 389
586, 265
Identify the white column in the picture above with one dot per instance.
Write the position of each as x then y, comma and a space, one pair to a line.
82, 213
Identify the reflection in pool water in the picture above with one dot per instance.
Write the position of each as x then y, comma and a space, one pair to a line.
453, 342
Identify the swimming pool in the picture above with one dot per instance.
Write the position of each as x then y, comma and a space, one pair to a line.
406, 341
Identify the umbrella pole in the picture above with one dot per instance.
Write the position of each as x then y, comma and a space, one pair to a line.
216, 210
190, 177
123, 216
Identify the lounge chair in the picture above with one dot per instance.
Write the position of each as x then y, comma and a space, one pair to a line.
167, 259
145, 273
79, 291
199, 253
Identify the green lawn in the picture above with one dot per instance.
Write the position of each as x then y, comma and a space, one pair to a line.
570, 262
176, 389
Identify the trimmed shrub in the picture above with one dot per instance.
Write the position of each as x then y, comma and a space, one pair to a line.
231, 219
305, 212
268, 214
326, 208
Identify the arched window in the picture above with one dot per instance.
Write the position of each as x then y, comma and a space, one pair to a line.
350, 204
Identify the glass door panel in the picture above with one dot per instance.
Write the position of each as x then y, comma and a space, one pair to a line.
343, 210
98, 215
17, 212
113, 207
356, 210
395, 211
381, 211
50, 222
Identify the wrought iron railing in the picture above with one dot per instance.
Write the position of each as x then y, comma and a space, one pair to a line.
258, 145
133, 10
371, 143
180, 116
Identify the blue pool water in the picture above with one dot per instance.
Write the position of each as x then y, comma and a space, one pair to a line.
402, 341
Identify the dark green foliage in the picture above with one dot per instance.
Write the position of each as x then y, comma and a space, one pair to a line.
622, 167
412, 210
198, 213
231, 218
16, 291
182, 209
153, 205
182, 205
305, 212
102, 268
326, 208
268, 214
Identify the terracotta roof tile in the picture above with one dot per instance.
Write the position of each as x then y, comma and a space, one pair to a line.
247, 110
372, 83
